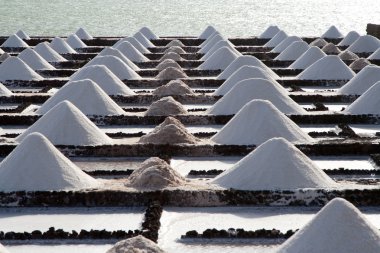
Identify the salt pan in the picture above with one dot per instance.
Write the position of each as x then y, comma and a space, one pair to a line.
14, 68
367, 77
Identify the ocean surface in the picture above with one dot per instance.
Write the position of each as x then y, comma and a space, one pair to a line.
185, 17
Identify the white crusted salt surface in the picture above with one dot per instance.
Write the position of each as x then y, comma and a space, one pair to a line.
166, 106
14, 41
3, 249
312, 55
277, 39
36, 165
48, 53
175, 43
14, 68
207, 32
290, 170
367, 77
117, 53
143, 40
375, 55
65, 124
61, 46
135, 44
4, 91
175, 49
359, 64
368, 103
22, 35
330, 48
148, 33
171, 73
220, 59
365, 44
349, 38
332, 33
348, 56
83, 34
171, 56
209, 43
75, 42
318, 43
220, 44
174, 87
131, 52
168, 63
270, 32
34, 60
138, 244
293, 51
285, 43
330, 67
338, 227
4, 56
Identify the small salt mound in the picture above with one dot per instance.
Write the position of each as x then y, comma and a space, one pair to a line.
247, 60
220, 44
318, 43
14, 41
375, 55
65, 124
174, 87
75, 42
242, 73
207, 32
210, 43
368, 103
4, 91
117, 66
277, 39
171, 56
164, 107
359, 64
270, 32
220, 59
367, 77
365, 44
3, 249
143, 40
83, 34
87, 96
138, 244
255, 88
275, 165
257, 122
330, 67
14, 68
22, 35
175, 49
4, 56
171, 131
285, 43
338, 227
155, 173
168, 63
148, 33
332, 33
131, 52
1, 51
330, 48
34, 60
349, 39
61, 46
48, 53
175, 43
312, 55
36, 165
136, 44
348, 56
104, 77
171, 73
117, 53
293, 51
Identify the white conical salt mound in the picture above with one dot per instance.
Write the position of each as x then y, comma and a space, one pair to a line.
117, 53
368, 103
171, 73
220, 44
143, 40
4, 91
61, 46
338, 227
365, 44
34, 60
319, 43
22, 35
277, 39
75, 42
375, 55
285, 43
168, 63
36, 165
330, 67
175, 43
207, 32
332, 33
210, 43
48, 53
367, 77
348, 56
257, 122
255, 88
165, 106
359, 64
1, 51
174, 87
104, 77
275, 165
3, 249
148, 33
312, 55
349, 38
270, 32
131, 52
83, 34
242, 73
138, 244
293, 51
135, 43
14, 41
14, 68
171, 56
87, 96
330, 48
4, 56
65, 124
220, 59
117, 66
175, 49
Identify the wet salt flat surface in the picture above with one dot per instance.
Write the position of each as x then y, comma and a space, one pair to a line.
365, 129
336, 107
80, 248
106, 163
347, 162
318, 89
318, 128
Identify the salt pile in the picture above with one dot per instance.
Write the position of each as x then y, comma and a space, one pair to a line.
367, 77
4, 56
312, 55
115, 52
143, 40
293, 51
318, 43
285, 43
36, 165
220, 44
117, 66
4, 91
210, 43
61, 46
171, 131
164, 107
22, 35
14, 41
131, 52
148, 33
168, 63
275, 165
1, 51
171, 56
330, 67
338, 227
365, 44
257, 122
349, 39
270, 32
138, 244
75, 42
34, 60
83, 34
174, 87
220, 59
48, 53
330, 48
175, 49
368, 103
375, 55
171, 73
155, 173
207, 32
3, 249
348, 56
255, 88
175, 43
277, 39
134, 43
14, 68
332, 33
65, 124
359, 64
87, 96
104, 77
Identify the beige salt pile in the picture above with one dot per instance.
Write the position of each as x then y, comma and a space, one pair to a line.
173, 56
348, 56
318, 43
174, 87
138, 244
330, 48
359, 64
171, 73
175, 49
164, 107
175, 43
168, 63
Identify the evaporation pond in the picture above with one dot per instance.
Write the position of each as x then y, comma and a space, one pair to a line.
107, 163
78, 248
